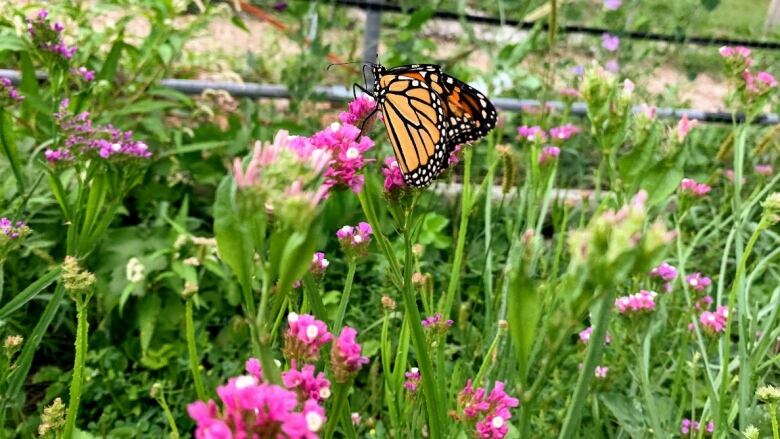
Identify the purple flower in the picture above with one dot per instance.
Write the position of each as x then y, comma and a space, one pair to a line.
667, 273
280, 6
578, 70
355, 239
318, 265
610, 42
304, 337
85, 74
612, 66
394, 179
698, 282
345, 358
534, 133
8, 93
612, 5
412, 380
488, 413
436, 324
48, 36
12, 230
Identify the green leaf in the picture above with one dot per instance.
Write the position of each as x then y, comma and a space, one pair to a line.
29, 86
8, 145
625, 412
148, 310
144, 106
12, 43
108, 71
296, 257
524, 311
662, 180
710, 5
232, 244
29, 293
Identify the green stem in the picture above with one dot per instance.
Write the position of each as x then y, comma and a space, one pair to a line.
77, 378
773, 417
345, 295
395, 271
192, 349
738, 294
431, 392
263, 339
465, 209
168, 415
488, 358
335, 414
572, 420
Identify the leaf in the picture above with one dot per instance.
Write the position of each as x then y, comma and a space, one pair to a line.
144, 106
232, 245
626, 413
8, 145
148, 310
710, 5
29, 293
108, 71
662, 180
12, 43
296, 257
524, 310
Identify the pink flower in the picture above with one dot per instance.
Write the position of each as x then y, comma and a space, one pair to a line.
489, 414
346, 359
691, 187
564, 132
730, 176
8, 93
612, 66
549, 154
304, 337
764, 169
358, 111
703, 303
612, 5
84, 73
585, 336
664, 271
739, 51
643, 301
601, 372
698, 282
347, 146
688, 427
394, 178
534, 133
318, 265
715, 322
571, 93
355, 239
306, 383
436, 324
767, 79
454, 157
253, 368
412, 380
610, 42
684, 127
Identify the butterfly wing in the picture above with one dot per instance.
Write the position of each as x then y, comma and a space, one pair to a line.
414, 117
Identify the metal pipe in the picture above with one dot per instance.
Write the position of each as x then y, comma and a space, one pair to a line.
339, 93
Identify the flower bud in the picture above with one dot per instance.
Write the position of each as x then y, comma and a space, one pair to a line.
388, 303
74, 278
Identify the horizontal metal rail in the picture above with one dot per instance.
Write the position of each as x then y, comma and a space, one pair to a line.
574, 29
339, 93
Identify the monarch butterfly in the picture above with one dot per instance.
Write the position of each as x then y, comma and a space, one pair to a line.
428, 113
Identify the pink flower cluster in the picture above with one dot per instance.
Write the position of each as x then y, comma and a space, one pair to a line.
698, 282
569, 93
8, 93
355, 237
345, 357
688, 427
643, 301
48, 36
252, 408
532, 134
436, 325
412, 380
82, 139
665, 272
684, 126
346, 146
764, 169
549, 154
394, 178
13, 230
689, 186
739, 60
318, 265
612, 5
304, 337
359, 111
307, 384
715, 322
488, 413
758, 83
586, 333
564, 132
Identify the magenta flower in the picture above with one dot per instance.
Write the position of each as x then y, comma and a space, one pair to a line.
318, 265
564, 132
641, 302
8, 93
715, 322
345, 358
48, 37
252, 408
549, 154
436, 325
304, 337
612, 5
347, 146
689, 186
664, 271
454, 157
698, 282
570, 93
578, 70
358, 111
704, 302
739, 51
586, 333
394, 178
690, 428
252, 367
84, 73
13, 230
532, 134
306, 383
767, 79
610, 42
764, 169
412, 380
601, 372
488, 414
355, 239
